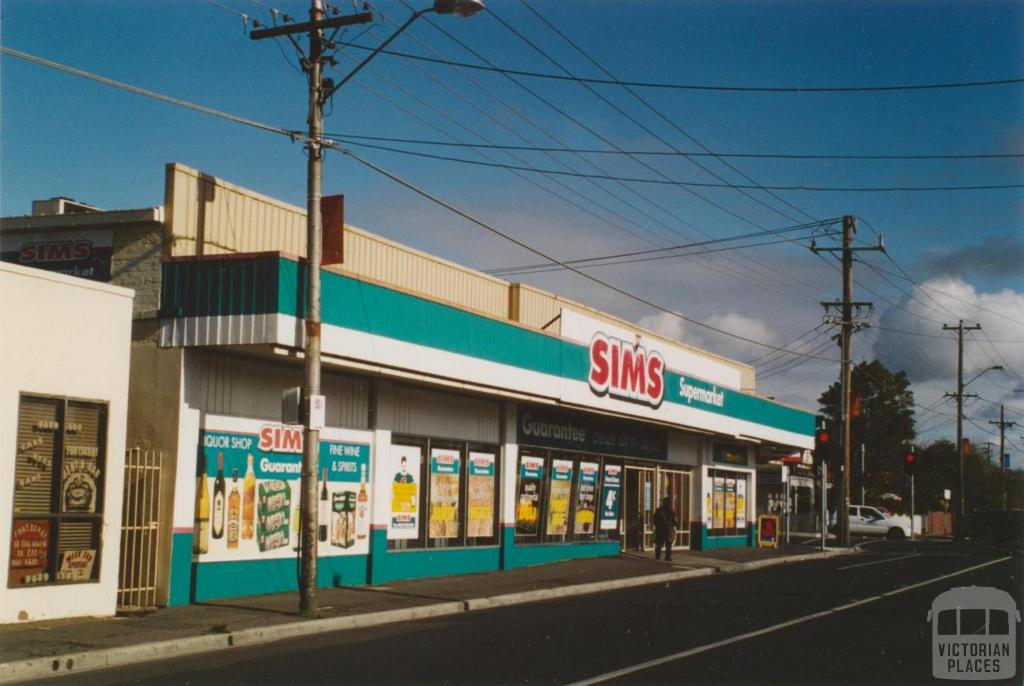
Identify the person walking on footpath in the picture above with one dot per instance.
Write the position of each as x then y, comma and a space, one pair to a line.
664, 529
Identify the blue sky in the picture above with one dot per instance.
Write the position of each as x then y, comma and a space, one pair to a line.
62, 135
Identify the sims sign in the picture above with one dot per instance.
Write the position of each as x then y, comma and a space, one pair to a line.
623, 370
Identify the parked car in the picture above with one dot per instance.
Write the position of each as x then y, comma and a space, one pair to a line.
870, 521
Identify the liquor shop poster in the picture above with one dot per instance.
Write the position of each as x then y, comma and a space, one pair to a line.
247, 492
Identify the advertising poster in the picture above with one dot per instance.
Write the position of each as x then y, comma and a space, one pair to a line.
76, 565
531, 474
480, 483
586, 498
444, 493
730, 503
561, 490
247, 497
741, 503
719, 504
403, 467
30, 547
610, 497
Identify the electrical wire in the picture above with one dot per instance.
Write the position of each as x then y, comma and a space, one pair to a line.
352, 137
293, 135
697, 87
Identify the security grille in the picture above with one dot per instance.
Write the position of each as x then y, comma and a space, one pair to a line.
140, 529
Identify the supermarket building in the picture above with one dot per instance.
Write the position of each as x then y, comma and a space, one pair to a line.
472, 424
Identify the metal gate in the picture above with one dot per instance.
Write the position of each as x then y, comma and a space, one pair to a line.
140, 529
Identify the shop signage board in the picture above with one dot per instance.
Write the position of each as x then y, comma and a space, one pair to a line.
403, 464
567, 430
610, 496
85, 254
559, 494
531, 475
767, 531
586, 498
247, 493
480, 487
444, 493
725, 453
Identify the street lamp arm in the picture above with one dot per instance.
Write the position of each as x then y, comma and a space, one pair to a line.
990, 369
376, 51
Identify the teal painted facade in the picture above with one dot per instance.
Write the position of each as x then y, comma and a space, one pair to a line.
271, 284
701, 540
180, 592
395, 565
525, 555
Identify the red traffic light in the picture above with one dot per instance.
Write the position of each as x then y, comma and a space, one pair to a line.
909, 458
823, 437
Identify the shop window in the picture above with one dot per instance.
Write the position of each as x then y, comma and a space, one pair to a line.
561, 497
728, 503
58, 491
442, 493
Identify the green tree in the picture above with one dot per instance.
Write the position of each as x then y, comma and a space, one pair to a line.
882, 410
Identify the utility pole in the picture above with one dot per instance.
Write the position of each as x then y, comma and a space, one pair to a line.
848, 324
313, 66
1002, 424
862, 460
960, 328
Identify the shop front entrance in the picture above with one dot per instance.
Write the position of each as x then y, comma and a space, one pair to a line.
639, 505
645, 487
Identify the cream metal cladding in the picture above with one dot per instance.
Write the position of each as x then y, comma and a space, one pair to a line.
206, 216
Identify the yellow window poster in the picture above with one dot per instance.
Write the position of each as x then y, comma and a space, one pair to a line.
741, 503
404, 471
444, 493
719, 503
480, 483
586, 498
531, 473
730, 503
560, 490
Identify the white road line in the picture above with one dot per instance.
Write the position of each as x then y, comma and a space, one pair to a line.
879, 562
608, 676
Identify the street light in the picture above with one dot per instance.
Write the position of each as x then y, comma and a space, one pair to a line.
993, 368
320, 90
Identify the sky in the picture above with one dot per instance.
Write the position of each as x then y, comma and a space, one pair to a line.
950, 255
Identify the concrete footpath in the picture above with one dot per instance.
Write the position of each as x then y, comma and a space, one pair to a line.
40, 649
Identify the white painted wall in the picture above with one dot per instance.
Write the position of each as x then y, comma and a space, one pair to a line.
63, 336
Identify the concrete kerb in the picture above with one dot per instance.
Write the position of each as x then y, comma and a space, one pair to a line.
41, 667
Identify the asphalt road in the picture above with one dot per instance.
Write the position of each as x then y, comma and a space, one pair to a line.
712, 630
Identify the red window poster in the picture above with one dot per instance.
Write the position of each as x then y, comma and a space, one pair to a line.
30, 547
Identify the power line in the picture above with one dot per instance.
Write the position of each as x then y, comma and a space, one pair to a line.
351, 137
696, 87
402, 182
667, 181
635, 253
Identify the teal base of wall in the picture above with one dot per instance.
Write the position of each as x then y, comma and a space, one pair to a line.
192, 582
519, 555
700, 540
390, 565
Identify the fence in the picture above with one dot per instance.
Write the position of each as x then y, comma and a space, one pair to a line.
140, 529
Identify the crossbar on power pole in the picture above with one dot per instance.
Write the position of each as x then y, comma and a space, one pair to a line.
847, 325
960, 328
1003, 425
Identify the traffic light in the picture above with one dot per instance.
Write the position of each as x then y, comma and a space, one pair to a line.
823, 436
869, 478
909, 460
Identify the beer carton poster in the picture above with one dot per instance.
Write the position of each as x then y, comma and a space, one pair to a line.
610, 495
402, 466
247, 492
480, 484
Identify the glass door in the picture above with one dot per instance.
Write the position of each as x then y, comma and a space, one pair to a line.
639, 511
675, 484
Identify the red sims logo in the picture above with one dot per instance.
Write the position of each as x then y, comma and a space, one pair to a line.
55, 251
623, 370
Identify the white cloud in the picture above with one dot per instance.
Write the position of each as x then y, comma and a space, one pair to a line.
675, 328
